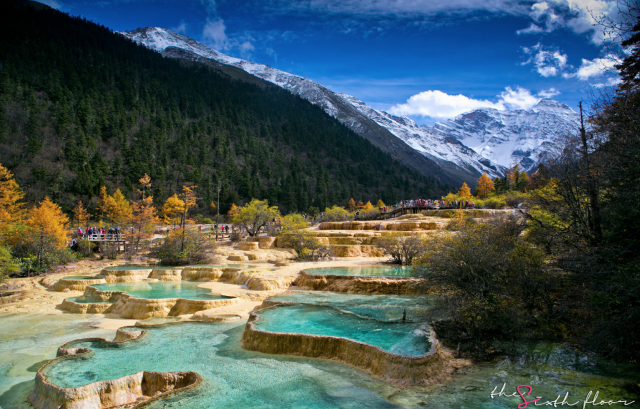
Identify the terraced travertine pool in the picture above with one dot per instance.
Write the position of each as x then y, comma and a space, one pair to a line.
371, 271
235, 378
88, 300
81, 278
380, 307
161, 290
128, 268
402, 338
133, 267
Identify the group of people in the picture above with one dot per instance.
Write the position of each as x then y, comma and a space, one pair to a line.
440, 204
98, 231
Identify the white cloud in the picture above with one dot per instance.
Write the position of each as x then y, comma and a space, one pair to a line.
402, 8
519, 98
214, 34
575, 15
611, 82
532, 29
180, 28
548, 63
596, 67
246, 46
440, 105
437, 104
548, 93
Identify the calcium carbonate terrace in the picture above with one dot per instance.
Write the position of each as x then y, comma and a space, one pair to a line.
161, 290
370, 271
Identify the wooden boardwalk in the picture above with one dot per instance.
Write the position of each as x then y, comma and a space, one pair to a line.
118, 239
415, 209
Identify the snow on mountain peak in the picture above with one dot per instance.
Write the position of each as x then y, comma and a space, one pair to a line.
551, 105
484, 140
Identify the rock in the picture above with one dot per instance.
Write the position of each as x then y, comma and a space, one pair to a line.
248, 246
105, 394
238, 258
125, 276
396, 369
360, 285
76, 285
201, 273
78, 308
166, 274
263, 242
357, 251
140, 308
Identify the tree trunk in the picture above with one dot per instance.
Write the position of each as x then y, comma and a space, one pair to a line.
594, 219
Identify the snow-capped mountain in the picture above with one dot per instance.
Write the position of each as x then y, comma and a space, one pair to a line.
458, 150
178, 46
508, 137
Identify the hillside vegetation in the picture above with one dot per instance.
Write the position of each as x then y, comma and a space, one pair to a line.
82, 107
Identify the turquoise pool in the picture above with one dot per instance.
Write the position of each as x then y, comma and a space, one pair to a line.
162, 289
222, 266
128, 268
87, 300
380, 307
234, 378
370, 271
82, 278
402, 338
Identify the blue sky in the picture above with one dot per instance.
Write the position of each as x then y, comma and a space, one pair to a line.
427, 59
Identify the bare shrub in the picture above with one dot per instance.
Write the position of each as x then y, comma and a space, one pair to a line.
402, 249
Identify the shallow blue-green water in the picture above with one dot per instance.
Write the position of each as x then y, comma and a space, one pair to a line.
127, 268
88, 300
81, 278
28, 341
162, 289
372, 271
403, 338
222, 266
233, 377
380, 307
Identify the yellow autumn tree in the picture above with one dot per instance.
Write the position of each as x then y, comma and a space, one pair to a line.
145, 182
351, 205
11, 205
233, 210
172, 208
49, 227
380, 203
106, 204
142, 218
80, 214
189, 199
513, 176
464, 191
485, 186
122, 210
367, 207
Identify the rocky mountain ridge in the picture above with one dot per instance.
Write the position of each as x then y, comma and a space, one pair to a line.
454, 151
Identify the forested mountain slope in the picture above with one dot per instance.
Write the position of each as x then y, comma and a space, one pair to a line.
81, 107
451, 163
